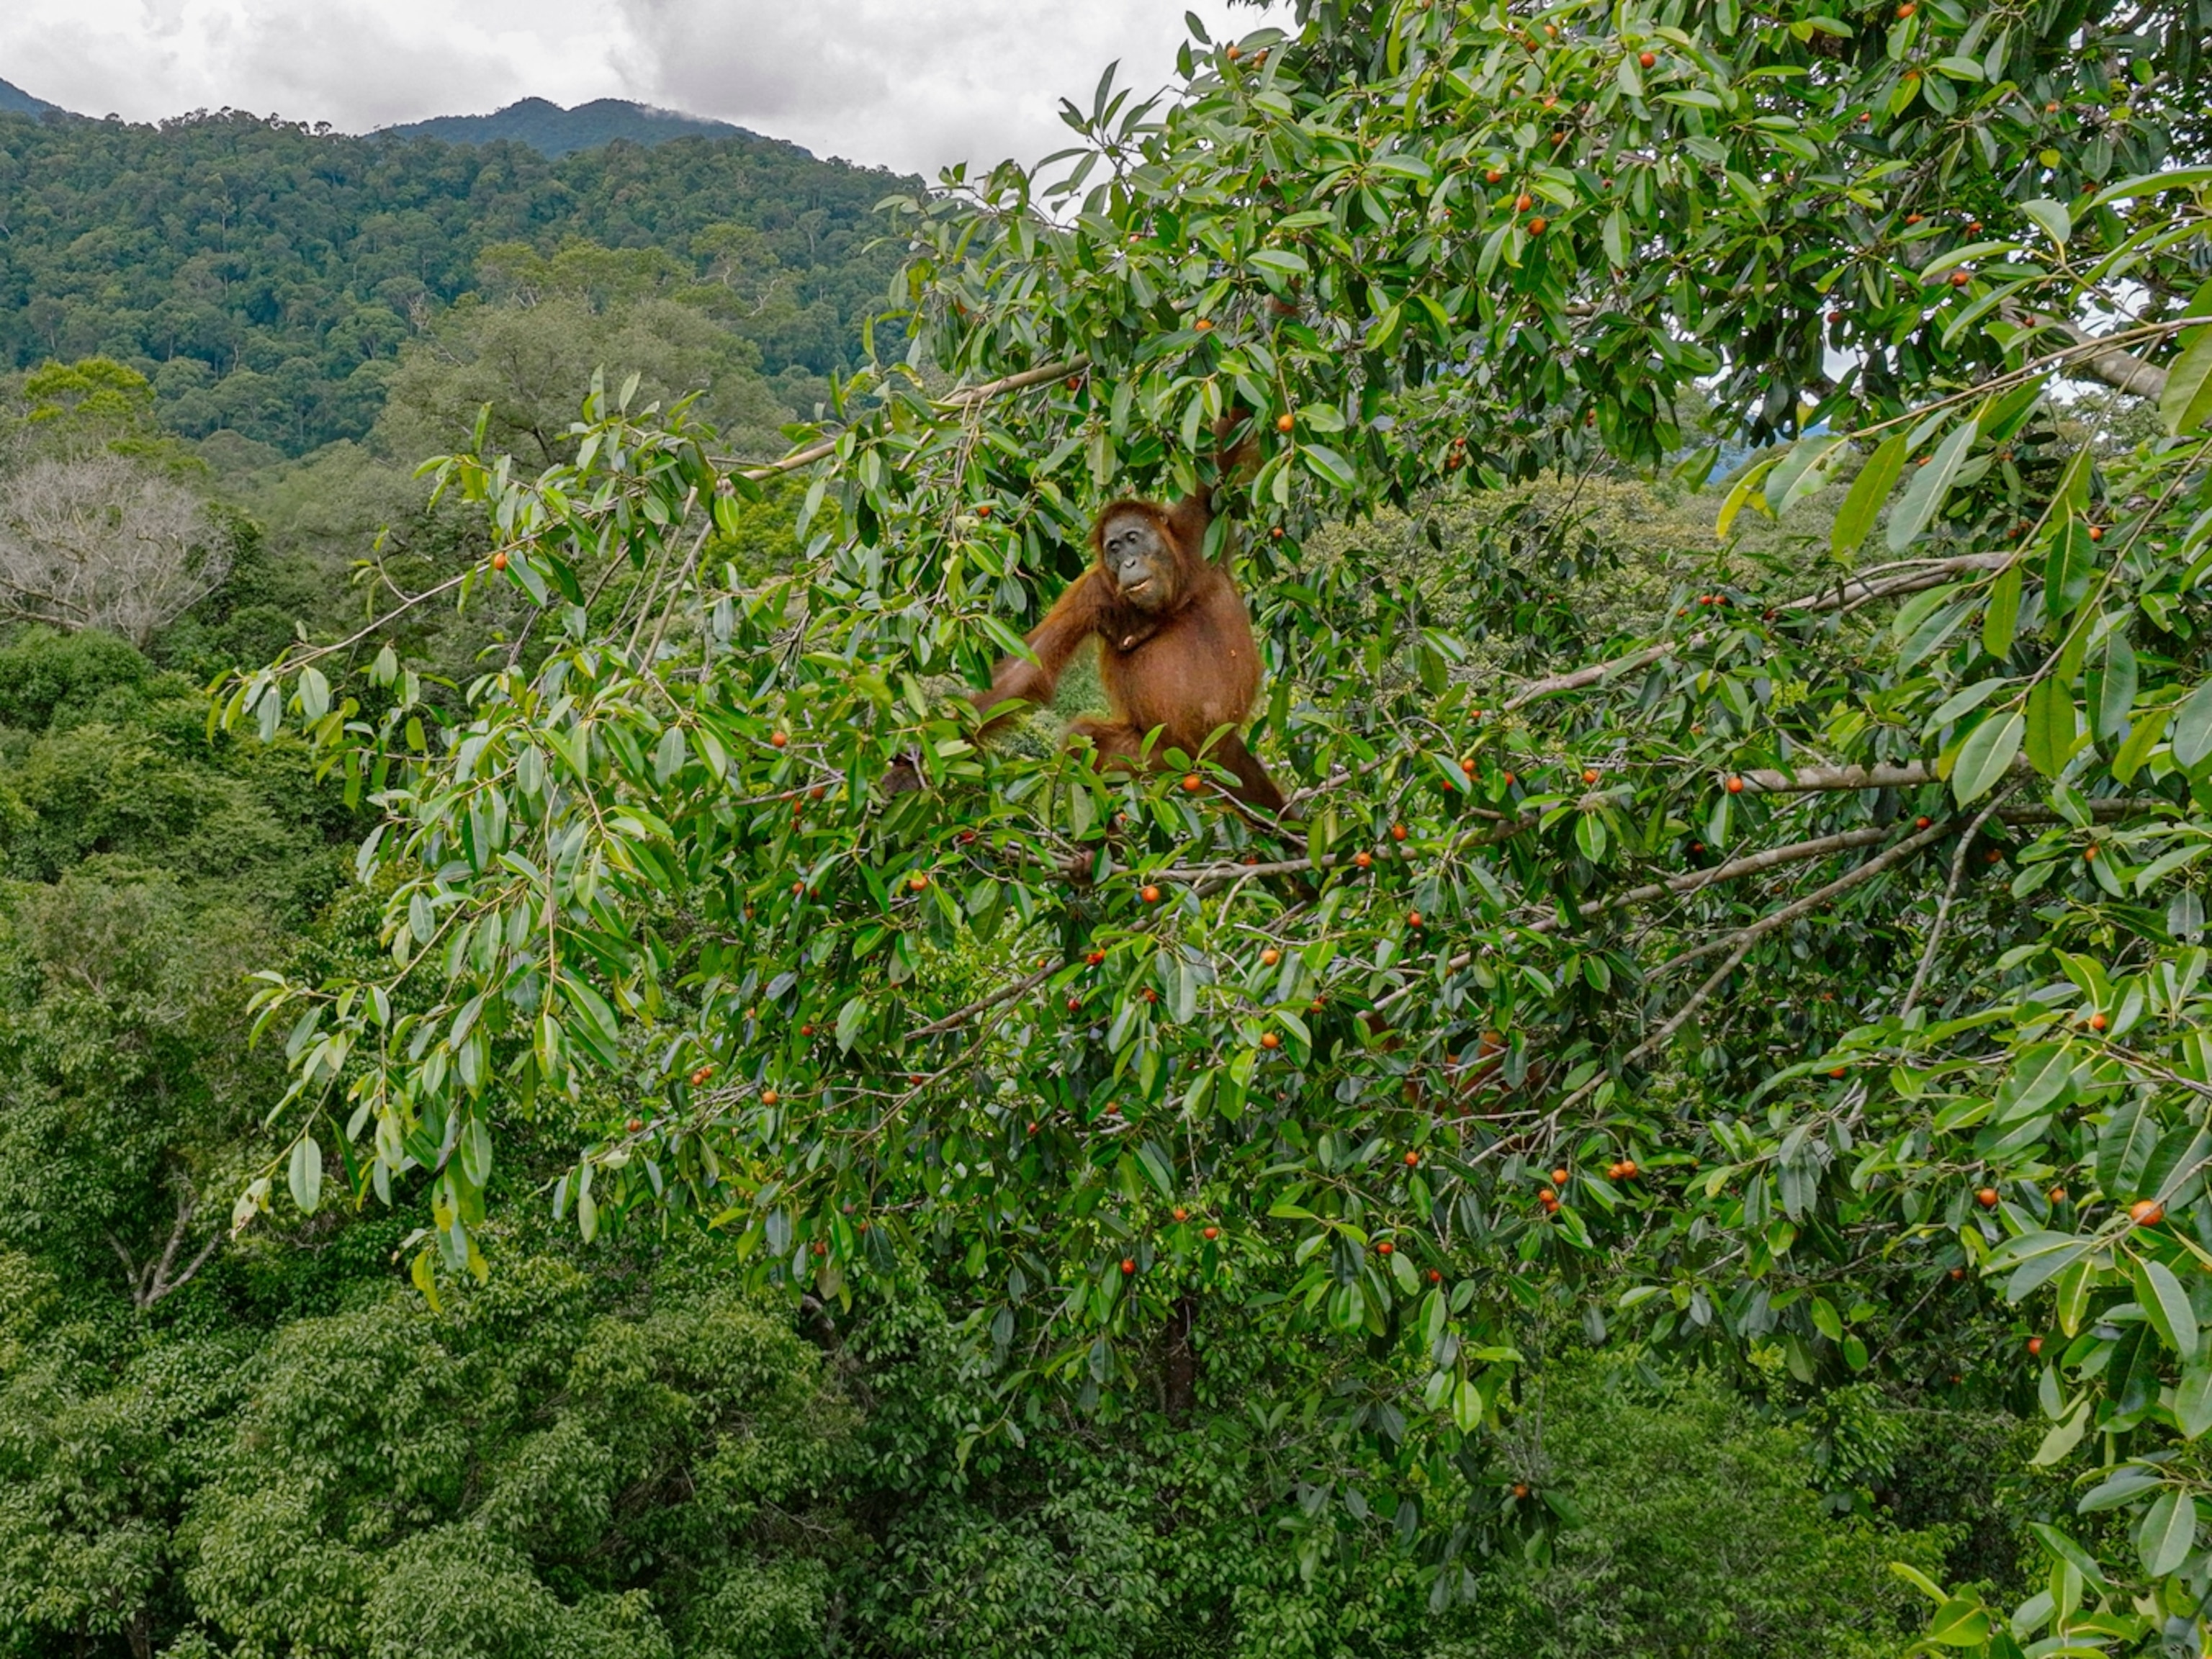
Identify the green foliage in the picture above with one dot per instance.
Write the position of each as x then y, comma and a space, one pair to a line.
1818, 922
1654, 1482
269, 288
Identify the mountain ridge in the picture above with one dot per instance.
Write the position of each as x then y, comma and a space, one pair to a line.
554, 131
14, 101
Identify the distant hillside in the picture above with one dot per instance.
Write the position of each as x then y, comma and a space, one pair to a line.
264, 275
554, 131
16, 102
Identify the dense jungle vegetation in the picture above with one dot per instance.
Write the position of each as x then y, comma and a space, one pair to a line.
512, 1144
264, 275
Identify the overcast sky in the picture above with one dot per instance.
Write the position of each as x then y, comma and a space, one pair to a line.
913, 84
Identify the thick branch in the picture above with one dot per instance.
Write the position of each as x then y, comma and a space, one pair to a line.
2121, 370
1004, 993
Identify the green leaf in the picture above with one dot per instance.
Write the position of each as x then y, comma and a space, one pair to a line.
2068, 570
2124, 1145
1930, 489
1869, 491
2116, 680
2001, 619
1921, 1582
2066, 1550
1615, 235
1987, 754
2053, 725
2168, 1304
2064, 1436
2056, 222
2192, 729
1326, 464
305, 1175
2167, 1534
2118, 1490
1808, 467
2192, 1398
1958, 1623
1741, 495
2186, 402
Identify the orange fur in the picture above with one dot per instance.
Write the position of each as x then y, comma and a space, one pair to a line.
1190, 668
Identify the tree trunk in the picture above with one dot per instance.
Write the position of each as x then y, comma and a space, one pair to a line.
1182, 1360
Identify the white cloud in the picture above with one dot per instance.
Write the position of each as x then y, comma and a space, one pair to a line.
914, 84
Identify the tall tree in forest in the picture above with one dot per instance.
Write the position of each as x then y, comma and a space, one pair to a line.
1805, 974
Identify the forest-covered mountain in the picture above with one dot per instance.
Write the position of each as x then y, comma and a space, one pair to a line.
552, 131
15, 100
264, 275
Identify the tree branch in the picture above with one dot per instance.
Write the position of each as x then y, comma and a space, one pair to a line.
1773, 858
1950, 893
2121, 370
967, 398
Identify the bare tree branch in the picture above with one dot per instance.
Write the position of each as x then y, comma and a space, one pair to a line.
149, 1282
103, 541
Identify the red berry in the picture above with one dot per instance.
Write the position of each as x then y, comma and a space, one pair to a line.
1412, 1160
1987, 1198
2147, 1213
1647, 59
1211, 1233
1128, 1265
2034, 1345
1736, 786
1384, 1249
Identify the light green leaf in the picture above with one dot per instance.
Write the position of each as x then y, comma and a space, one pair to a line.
2056, 222
2168, 1304
305, 1175
2064, 1436
1987, 754
1869, 491
1930, 489
1958, 1623
2192, 729
2167, 1533
2193, 1398
1741, 495
2186, 402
